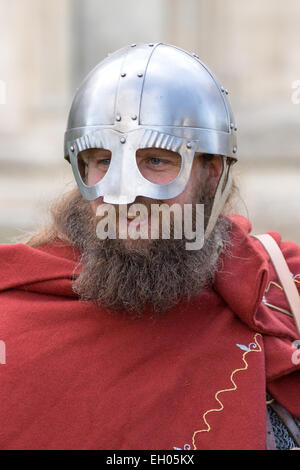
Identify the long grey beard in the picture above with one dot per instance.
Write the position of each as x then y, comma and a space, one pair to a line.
155, 277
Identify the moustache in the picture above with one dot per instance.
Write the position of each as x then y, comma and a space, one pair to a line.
125, 208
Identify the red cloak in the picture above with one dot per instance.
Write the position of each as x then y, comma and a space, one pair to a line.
75, 376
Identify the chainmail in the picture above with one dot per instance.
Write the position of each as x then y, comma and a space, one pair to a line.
283, 438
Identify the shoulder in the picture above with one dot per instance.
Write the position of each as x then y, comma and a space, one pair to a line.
291, 253
249, 276
22, 264
242, 232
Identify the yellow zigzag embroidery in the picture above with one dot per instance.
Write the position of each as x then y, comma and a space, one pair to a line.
254, 345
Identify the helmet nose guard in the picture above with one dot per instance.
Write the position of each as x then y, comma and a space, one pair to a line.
150, 95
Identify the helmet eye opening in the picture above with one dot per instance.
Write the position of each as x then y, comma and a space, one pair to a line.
93, 164
158, 165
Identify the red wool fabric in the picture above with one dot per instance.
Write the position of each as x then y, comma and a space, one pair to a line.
79, 377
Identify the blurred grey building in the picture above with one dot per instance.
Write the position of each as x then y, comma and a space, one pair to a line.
46, 49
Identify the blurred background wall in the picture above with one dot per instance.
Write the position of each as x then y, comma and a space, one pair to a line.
46, 49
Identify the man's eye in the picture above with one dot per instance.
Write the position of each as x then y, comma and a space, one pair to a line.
155, 161
104, 161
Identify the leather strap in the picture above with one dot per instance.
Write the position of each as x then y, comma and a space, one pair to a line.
283, 274
221, 195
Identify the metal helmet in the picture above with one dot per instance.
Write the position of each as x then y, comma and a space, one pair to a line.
145, 96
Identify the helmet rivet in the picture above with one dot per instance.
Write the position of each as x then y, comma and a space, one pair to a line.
122, 140
231, 125
234, 149
123, 74
235, 128
151, 44
189, 145
226, 92
222, 89
72, 149
133, 45
118, 117
140, 74
134, 117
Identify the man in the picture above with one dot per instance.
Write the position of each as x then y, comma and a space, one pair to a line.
124, 331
